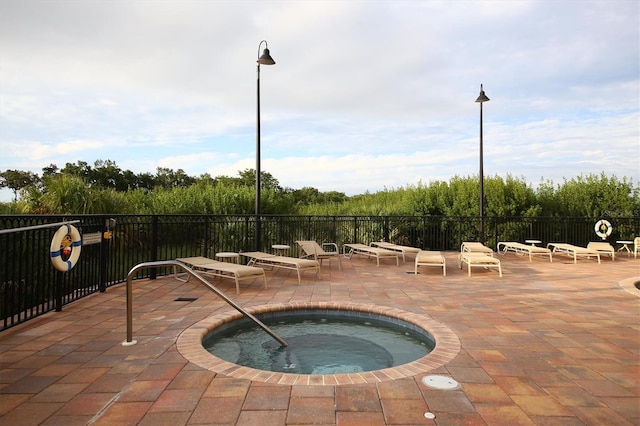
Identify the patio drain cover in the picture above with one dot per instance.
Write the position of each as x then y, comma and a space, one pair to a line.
440, 382
186, 299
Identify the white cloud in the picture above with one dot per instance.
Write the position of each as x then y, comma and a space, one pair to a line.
364, 95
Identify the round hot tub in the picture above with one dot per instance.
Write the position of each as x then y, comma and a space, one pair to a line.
320, 341
328, 344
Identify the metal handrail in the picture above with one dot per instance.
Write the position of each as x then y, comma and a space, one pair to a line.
191, 272
29, 228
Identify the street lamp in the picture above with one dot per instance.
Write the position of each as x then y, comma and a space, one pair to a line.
264, 59
481, 99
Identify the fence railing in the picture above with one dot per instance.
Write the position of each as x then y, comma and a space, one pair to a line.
31, 286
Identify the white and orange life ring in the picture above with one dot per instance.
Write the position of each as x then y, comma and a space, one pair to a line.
66, 241
603, 228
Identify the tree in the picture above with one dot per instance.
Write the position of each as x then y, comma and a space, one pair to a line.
267, 181
81, 170
106, 174
167, 178
50, 170
17, 180
598, 196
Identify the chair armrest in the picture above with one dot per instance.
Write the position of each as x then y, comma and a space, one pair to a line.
334, 245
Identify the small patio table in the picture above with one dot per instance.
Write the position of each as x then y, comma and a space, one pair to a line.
625, 246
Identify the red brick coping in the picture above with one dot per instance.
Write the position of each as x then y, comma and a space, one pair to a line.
447, 347
630, 285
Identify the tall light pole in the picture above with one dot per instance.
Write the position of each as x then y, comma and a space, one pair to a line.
481, 99
264, 59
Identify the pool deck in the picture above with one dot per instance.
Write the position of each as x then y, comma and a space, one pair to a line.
547, 344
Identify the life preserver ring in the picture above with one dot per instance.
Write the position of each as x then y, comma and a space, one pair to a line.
603, 228
66, 241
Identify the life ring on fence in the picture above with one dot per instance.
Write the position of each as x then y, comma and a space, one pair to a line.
603, 228
66, 242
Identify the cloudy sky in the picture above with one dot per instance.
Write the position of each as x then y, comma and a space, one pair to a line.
365, 95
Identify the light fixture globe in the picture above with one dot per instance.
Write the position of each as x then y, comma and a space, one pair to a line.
265, 58
482, 97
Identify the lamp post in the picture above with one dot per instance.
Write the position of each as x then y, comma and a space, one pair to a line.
264, 59
481, 99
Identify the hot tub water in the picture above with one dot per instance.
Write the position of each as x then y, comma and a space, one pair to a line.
320, 342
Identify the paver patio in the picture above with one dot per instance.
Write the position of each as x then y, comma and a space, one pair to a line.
546, 344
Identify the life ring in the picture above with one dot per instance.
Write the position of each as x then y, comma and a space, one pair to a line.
603, 228
66, 241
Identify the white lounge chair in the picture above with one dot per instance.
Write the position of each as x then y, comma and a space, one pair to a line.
216, 268
315, 251
430, 258
636, 246
477, 260
258, 258
396, 247
574, 251
474, 247
603, 247
524, 249
379, 253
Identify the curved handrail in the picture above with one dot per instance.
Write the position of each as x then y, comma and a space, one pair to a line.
197, 276
31, 228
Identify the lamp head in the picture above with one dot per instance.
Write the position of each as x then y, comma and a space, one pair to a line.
482, 97
265, 58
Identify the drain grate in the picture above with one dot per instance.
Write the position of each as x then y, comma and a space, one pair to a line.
440, 382
186, 299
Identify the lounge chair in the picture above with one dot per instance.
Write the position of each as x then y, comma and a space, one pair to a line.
379, 253
524, 249
315, 251
476, 259
259, 258
396, 247
603, 247
636, 246
430, 258
216, 268
574, 251
473, 247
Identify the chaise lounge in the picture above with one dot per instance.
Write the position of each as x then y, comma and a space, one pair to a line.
474, 247
313, 250
396, 247
479, 260
216, 268
379, 253
430, 258
524, 249
574, 251
603, 247
259, 258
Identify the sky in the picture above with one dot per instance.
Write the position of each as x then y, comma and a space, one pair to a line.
365, 96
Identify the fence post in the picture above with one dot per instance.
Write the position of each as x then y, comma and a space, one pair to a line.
423, 245
58, 291
104, 255
355, 229
154, 246
246, 233
385, 229
207, 238
334, 230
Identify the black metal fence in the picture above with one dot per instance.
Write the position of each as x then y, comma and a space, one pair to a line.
30, 286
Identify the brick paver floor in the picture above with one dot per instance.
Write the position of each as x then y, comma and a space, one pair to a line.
547, 344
